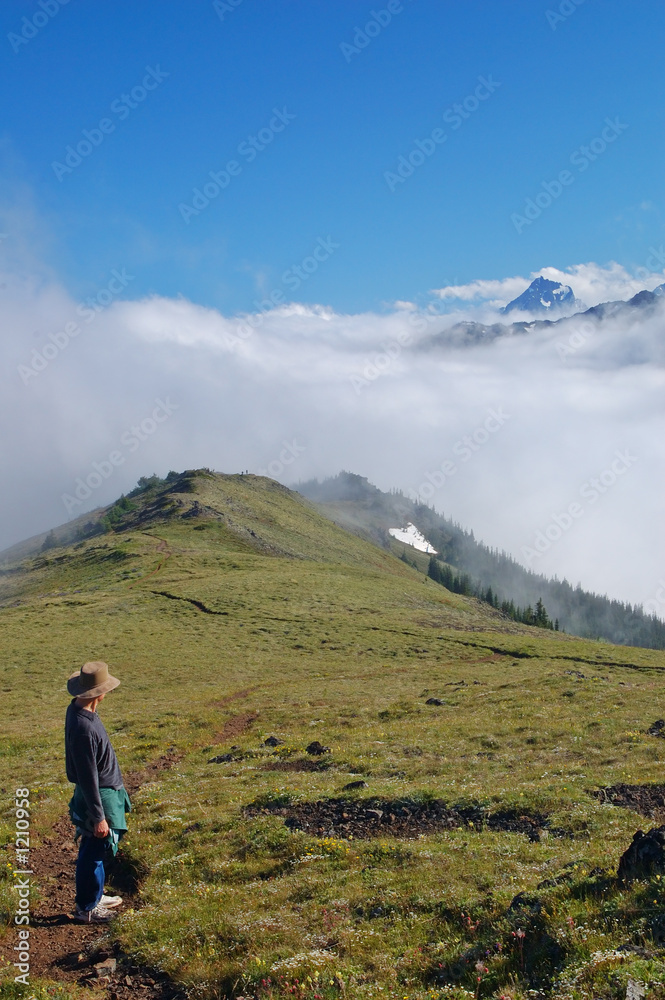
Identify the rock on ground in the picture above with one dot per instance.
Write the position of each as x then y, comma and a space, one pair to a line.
645, 856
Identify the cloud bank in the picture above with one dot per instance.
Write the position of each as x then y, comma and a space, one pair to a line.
504, 437
592, 283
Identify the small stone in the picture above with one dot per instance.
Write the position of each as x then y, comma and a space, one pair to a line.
434, 701
273, 741
106, 968
355, 784
316, 748
656, 728
223, 758
645, 856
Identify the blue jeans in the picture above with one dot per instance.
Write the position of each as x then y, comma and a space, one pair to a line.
90, 874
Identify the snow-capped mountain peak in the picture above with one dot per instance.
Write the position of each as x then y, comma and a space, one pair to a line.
545, 296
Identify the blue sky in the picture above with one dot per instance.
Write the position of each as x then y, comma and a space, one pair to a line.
323, 175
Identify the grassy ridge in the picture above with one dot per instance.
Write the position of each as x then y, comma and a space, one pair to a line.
265, 618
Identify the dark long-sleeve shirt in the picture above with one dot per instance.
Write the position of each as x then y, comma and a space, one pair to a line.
89, 757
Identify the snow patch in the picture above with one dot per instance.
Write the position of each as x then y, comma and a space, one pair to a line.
411, 536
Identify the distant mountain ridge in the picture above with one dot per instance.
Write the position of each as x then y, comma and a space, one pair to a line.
471, 333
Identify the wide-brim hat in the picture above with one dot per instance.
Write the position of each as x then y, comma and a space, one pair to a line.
92, 680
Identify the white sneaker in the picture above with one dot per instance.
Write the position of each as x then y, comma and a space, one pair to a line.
110, 901
99, 915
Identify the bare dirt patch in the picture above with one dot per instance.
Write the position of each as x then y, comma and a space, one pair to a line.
647, 800
235, 726
165, 552
367, 819
151, 771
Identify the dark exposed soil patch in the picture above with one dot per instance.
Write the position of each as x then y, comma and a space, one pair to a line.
235, 726
189, 600
369, 818
647, 800
522, 654
297, 765
66, 951
130, 981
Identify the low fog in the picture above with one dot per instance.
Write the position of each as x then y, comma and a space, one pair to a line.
504, 437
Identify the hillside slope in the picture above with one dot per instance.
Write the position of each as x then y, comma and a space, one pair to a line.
357, 505
232, 610
192, 531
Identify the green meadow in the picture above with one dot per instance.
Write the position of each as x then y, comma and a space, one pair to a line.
233, 611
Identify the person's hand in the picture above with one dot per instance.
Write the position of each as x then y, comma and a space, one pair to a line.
101, 829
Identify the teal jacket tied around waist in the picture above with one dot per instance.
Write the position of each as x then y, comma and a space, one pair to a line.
115, 802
